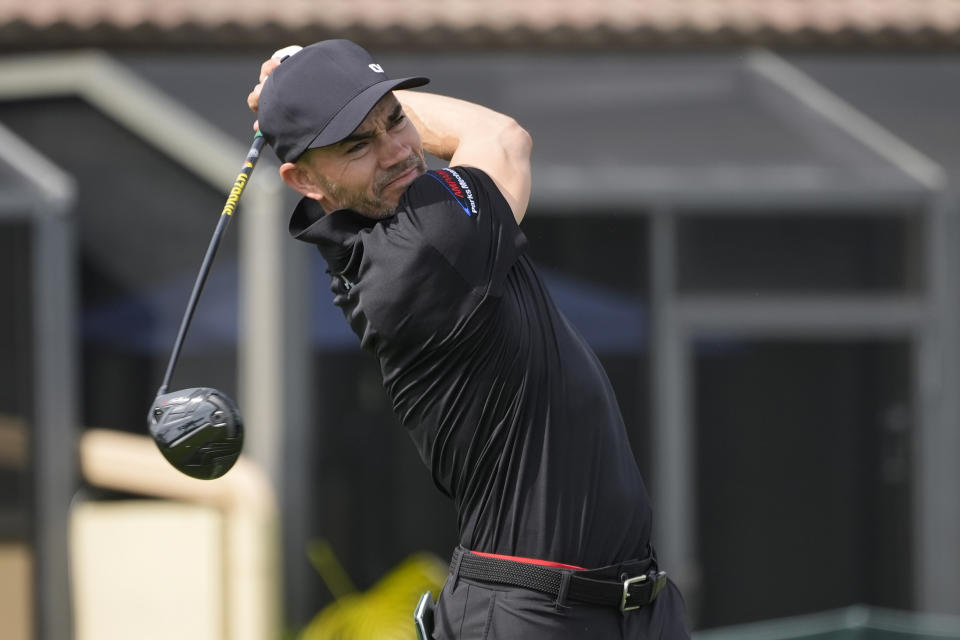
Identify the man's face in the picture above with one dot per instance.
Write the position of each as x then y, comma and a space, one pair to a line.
370, 169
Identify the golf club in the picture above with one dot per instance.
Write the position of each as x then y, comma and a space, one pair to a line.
200, 430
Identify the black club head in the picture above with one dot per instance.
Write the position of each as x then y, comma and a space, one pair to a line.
199, 431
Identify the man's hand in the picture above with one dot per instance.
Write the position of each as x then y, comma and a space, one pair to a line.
253, 100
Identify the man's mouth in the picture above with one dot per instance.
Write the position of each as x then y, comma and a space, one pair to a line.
406, 176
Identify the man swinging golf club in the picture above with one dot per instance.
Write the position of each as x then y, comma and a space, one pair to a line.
509, 408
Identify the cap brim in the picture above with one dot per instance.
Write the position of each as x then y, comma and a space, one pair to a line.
352, 114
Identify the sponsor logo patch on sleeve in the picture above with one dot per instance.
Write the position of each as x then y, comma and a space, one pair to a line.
457, 187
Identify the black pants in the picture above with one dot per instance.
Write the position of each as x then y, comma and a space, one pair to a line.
472, 610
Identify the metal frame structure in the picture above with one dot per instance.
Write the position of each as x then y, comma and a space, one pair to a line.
53, 413
269, 362
929, 320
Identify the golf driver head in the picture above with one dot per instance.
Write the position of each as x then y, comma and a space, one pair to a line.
199, 431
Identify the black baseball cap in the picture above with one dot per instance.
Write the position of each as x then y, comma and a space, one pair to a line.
320, 95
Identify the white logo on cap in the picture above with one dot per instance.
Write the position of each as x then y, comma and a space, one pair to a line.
376, 67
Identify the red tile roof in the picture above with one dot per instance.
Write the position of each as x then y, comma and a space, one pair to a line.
496, 23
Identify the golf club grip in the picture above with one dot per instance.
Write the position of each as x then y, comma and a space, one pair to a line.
228, 208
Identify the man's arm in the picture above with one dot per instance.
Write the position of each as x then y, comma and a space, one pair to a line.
468, 134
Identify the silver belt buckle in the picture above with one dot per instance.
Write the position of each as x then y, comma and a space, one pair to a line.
660, 578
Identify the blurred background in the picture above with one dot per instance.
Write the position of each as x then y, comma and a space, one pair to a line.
748, 208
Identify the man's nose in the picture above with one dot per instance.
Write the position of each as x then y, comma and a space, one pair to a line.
393, 150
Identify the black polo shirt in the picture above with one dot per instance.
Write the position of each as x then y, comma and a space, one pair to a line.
507, 405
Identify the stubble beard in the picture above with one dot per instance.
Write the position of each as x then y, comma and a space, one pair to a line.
374, 205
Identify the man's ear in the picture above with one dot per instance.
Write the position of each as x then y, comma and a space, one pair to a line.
300, 180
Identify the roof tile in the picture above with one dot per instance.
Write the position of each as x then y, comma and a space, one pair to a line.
577, 20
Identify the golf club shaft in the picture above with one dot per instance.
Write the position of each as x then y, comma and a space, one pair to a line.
252, 156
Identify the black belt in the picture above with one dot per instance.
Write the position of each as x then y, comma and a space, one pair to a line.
636, 584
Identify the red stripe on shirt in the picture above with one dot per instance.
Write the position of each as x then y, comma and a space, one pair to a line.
543, 563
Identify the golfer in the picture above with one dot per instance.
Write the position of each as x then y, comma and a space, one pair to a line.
509, 408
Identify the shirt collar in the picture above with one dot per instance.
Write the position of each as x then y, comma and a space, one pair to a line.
334, 233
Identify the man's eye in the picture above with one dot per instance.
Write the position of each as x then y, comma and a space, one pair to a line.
357, 147
398, 120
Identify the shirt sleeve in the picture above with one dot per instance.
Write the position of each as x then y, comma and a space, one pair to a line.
462, 215
449, 248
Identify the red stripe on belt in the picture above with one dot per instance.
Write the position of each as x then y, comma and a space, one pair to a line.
543, 563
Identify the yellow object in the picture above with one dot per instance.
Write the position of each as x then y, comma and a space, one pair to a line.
385, 612
325, 561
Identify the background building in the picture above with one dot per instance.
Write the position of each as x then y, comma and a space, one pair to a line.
749, 209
